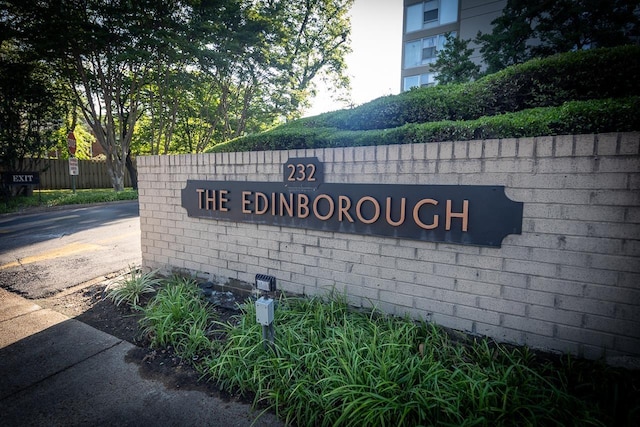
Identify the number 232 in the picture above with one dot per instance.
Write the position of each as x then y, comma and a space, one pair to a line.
301, 172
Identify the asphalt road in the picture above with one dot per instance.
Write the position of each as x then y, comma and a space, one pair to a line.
44, 253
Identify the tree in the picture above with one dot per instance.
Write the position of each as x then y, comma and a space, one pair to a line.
314, 40
255, 65
529, 28
32, 108
270, 61
510, 40
103, 50
235, 66
578, 24
453, 64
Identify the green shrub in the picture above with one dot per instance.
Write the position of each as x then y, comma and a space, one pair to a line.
335, 367
132, 287
49, 198
552, 81
178, 317
575, 117
557, 81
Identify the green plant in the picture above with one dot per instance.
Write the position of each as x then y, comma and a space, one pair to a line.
590, 116
335, 367
177, 316
541, 90
49, 198
132, 286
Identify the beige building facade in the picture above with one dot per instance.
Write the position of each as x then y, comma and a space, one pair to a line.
425, 26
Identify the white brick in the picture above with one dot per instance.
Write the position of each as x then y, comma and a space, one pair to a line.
508, 147
517, 309
528, 296
491, 148
630, 143
526, 147
619, 164
585, 336
555, 315
587, 275
564, 145
478, 288
477, 314
460, 149
539, 327
445, 151
555, 286
584, 145
530, 268
544, 146
568, 282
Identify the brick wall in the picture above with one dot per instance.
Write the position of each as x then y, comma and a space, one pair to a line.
570, 282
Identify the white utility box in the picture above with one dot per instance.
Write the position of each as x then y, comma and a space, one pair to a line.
264, 311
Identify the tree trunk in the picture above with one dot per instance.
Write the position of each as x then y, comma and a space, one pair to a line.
133, 173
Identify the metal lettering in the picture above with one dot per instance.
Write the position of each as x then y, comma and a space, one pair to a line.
316, 201
464, 215
416, 214
303, 205
403, 206
376, 206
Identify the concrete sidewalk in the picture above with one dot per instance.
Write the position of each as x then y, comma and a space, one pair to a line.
57, 371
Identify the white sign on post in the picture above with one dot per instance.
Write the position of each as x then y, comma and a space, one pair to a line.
73, 166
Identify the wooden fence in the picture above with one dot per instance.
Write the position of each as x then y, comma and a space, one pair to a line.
54, 174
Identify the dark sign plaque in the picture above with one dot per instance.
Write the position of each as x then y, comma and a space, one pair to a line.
21, 178
463, 214
303, 173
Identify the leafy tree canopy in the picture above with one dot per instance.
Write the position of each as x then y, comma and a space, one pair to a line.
454, 64
160, 76
31, 109
530, 28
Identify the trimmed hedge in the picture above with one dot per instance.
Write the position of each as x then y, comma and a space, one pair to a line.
576, 117
576, 92
552, 81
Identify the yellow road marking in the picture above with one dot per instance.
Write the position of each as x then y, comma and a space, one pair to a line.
69, 249
118, 237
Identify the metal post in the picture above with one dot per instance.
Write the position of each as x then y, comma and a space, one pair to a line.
268, 336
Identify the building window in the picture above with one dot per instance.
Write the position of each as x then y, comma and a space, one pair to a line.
430, 14
426, 79
423, 51
409, 82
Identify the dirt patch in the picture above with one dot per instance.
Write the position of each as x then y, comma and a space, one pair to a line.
89, 305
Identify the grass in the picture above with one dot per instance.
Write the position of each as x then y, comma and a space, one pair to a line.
132, 287
333, 366
178, 317
51, 198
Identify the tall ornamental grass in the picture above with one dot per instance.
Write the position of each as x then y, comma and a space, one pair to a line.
132, 287
335, 367
178, 317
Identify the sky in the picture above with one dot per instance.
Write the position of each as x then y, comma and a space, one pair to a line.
374, 63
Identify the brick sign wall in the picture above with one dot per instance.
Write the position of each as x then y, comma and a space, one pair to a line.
569, 280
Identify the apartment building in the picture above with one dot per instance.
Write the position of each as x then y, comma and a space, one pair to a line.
427, 22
